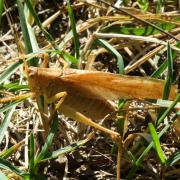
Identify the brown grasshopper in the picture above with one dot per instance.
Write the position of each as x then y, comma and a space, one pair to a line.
84, 95
88, 92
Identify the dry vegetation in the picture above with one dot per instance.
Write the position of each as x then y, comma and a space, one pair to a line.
101, 38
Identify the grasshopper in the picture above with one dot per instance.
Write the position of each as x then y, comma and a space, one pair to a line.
87, 93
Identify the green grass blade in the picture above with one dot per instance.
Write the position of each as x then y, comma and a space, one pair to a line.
7, 165
169, 110
9, 71
4, 125
31, 154
66, 149
160, 70
6, 153
157, 144
73, 61
9, 106
131, 156
169, 79
73, 27
145, 152
163, 66
28, 47
48, 141
110, 48
1, 10
143, 4
14, 87
29, 20
159, 6
173, 159
38, 22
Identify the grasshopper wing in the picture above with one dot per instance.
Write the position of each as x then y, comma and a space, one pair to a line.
112, 86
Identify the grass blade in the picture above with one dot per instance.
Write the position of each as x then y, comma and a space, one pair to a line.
31, 154
68, 148
145, 152
28, 47
169, 110
167, 86
169, 79
14, 87
157, 143
5, 154
48, 141
9, 71
110, 48
11, 105
73, 61
7, 165
29, 22
73, 27
5, 123
38, 22
163, 66
1, 10
173, 159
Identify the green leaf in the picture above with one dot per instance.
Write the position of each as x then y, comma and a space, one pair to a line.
110, 48
169, 79
38, 22
31, 153
66, 149
159, 5
173, 159
73, 27
48, 141
4, 125
73, 61
157, 144
145, 152
1, 10
8, 166
24, 28
11, 105
8, 152
169, 110
14, 87
143, 4
163, 66
131, 156
139, 31
9, 71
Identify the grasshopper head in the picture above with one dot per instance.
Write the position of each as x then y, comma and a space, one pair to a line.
41, 80
33, 80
